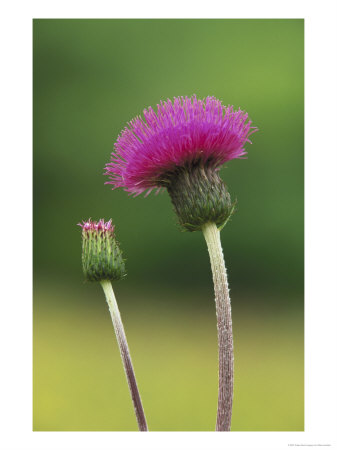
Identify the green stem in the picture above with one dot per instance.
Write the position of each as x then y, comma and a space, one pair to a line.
224, 325
125, 354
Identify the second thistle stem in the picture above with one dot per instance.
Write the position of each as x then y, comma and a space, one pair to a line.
224, 324
125, 354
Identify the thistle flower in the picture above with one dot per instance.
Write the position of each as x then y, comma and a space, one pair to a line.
185, 132
181, 147
102, 261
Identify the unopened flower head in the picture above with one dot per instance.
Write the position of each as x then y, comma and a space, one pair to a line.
182, 143
101, 256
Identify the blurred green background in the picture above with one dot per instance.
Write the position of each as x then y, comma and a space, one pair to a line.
90, 78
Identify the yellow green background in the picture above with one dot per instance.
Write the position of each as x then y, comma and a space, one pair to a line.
90, 78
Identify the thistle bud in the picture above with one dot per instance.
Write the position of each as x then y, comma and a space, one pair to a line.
101, 255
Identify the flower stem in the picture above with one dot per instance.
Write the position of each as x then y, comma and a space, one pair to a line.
125, 354
224, 324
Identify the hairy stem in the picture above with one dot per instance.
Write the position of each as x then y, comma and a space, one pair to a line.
125, 354
224, 324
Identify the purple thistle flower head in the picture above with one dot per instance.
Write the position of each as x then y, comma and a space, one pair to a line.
182, 133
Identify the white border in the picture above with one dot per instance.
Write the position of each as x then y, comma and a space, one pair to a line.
321, 245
